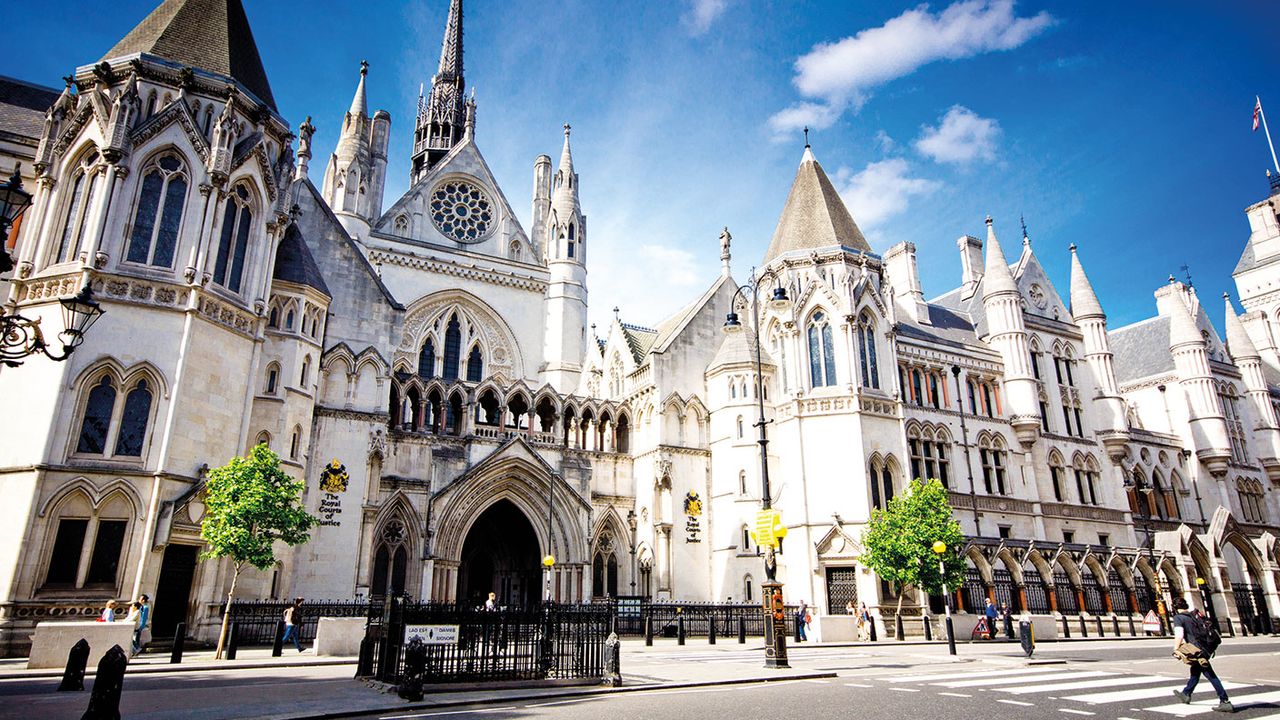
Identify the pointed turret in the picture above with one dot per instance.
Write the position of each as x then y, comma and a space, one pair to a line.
814, 216
1007, 333
1113, 425
356, 172
1084, 302
1207, 422
442, 117
1246, 356
210, 35
1238, 342
565, 245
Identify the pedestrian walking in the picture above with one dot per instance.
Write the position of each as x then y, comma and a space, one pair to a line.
864, 622
992, 615
1195, 640
293, 623
802, 620
492, 603
133, 618
109, 612
142, 634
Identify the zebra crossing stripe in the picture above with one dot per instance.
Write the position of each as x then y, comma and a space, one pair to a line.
959, 675
1088, 684
1204, 706
1141, 693
987, 682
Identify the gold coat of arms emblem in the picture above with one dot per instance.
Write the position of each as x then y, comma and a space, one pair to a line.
334, 478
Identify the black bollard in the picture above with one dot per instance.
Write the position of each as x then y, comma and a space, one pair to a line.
1098, 619
1084, 629
951, 637
1066, 628
104, 703
680, 630
73, 676
928, 631
648, 632
1115, 624
1027, 637
179, 644
1231, 629
711, 630
872, 621
742, 630
1008, 626
415, 663
364, 665
277, 645
900, 632
1133, 629
233, 640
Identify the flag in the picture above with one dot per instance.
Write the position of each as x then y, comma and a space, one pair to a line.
1257, 110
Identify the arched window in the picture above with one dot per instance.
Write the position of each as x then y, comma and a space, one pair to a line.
97, 418
89, 542
1057, 469
740, 427
780, 352
733, 389
133, 423
475, 365
159, 214
273, 378
452, 348
294, 442
748, 589
273, 320
822, 361
84, 187
306, 372
745, 540
237, 221
928, 450
264, 438
427, 359
880, 478
572, 237
390, 559
992, 454
288, 319
742, 482
868, 362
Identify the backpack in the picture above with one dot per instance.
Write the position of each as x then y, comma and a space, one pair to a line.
1202, 632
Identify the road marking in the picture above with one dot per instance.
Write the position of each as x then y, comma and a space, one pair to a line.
447, 712
1075, 712
560, 702
956, 676
951, 694
1025, 678
1017, 702
1139, 694
906, 689
1086, 684
858, 685
1205, 706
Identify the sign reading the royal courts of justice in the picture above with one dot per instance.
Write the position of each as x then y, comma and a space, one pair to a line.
692, 515
333, 480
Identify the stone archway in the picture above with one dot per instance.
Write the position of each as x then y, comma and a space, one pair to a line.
500, 555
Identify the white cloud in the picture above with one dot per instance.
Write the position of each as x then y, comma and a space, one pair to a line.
885, 142
674, 266
703, 14
881, 190
815, 116
960, 138
840, 74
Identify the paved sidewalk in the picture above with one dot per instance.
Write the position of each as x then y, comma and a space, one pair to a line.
197, 661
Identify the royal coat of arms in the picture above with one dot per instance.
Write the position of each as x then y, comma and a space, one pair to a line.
334, 478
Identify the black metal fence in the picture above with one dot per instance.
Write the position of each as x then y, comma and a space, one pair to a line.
556, 641
256, 620
664, 618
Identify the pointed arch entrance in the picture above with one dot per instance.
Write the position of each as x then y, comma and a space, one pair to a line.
500, 555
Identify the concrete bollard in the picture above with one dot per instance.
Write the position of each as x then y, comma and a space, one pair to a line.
1115, 624
104, 702
233, 640
1066, 628
711, 629
742, 630
179, 644
1133, 629
415, 663
680, 630
73, 676
648, 632
612, 661
928, 631
900, 632
277, 645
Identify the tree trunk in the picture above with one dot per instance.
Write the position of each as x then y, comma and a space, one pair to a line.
226, 614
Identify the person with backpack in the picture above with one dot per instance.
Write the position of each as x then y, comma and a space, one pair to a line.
1195, 640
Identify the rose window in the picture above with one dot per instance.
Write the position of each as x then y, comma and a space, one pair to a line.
461, 211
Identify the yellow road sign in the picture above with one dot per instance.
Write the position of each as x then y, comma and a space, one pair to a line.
769, 528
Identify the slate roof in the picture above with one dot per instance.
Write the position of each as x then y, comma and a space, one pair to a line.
814, 215
947, 326
739, 348
639, 340
1141, 349
22, 107
295, 264
211, 35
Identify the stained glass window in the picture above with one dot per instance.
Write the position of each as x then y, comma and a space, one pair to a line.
133, 424
97, 418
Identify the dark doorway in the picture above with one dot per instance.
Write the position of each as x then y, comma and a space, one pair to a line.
173, 591
500, 555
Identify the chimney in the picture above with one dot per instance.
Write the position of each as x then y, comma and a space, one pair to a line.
904, 277
970, 264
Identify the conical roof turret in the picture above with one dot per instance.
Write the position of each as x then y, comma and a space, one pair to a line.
360, 103
996, 276
1238, 342
814, 216
1084, 302
1182, 326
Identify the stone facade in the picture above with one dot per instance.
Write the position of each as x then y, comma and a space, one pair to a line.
427, 370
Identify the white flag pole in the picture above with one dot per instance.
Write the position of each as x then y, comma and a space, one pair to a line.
1262, 113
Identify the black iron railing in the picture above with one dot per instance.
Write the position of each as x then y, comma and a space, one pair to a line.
664, 618
256, 620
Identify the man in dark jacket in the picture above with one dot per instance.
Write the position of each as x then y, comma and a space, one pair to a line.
992, 614
1186, 629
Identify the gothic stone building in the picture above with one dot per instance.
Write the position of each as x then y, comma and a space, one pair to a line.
426, 367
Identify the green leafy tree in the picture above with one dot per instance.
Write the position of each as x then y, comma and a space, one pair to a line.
898, 542
250, 504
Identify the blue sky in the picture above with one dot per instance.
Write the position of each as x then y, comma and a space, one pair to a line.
1122, 127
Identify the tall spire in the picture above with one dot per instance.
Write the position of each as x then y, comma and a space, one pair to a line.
359, 103
996, 275
1084, 302
443, 117
566, 155
1238, 342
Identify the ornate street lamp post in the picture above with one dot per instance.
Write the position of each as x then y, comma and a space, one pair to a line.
632, 524
21, 337
775, 623
940, 548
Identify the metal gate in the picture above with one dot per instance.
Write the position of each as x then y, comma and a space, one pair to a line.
1068, 604
1093, 602
842, 589
1037, 593
1119, 594
1005, 591
974, 591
